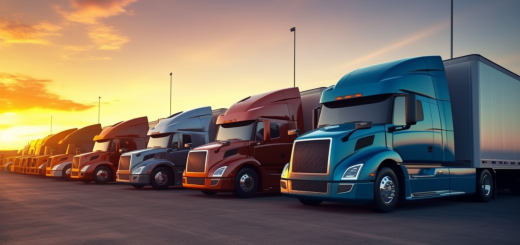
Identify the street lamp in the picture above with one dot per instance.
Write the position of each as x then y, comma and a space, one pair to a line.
294, 76
170, 93
452, 29
99, 109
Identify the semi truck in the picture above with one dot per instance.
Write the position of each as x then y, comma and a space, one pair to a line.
51, 147
250, 151
39, 151
14, 161
164, 160
411, 129
101, 164
20, 163
77, 142
7, 157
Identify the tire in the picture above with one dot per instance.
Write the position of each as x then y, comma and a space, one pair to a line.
485, 186
102, 175
310, 202
209, 193
246, 183
138, 186
161, 178
65, 173
386, 191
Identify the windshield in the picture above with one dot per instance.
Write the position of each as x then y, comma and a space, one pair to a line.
239, 130
374, 109
101, 146
159, 140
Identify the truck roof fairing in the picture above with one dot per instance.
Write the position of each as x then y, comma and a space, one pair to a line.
82, 134
268, 105
181, 122
422, 75
55, 138
125, 129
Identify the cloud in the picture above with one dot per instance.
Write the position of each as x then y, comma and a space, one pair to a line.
20, 92
14, 31
106, 37
90, 11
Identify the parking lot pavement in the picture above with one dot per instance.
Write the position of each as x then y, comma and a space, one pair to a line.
37, 210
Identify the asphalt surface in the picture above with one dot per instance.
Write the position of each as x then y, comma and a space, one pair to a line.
37, 210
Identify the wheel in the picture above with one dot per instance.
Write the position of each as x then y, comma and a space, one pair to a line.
386, 191
309, 202
485, 186
102, 175
246, 183
209, 193
138, 186
65, 173
161, 178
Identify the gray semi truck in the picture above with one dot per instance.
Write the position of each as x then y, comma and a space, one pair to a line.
164, 160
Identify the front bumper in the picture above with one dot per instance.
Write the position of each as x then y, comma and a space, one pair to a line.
134, 179
350, 192
211, 183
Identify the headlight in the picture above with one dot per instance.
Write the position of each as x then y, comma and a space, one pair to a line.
219, 172
285, 171
55, 167
84, 169
352, 172
138, 170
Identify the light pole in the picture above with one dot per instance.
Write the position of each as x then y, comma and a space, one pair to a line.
99, 109
452, 29
51, 124
294, 75
170, 93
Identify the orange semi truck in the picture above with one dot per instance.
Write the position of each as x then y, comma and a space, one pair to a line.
252, 144
20, 162
101, 164
51, 147
79, 141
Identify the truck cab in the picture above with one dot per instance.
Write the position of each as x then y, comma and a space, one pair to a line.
21, 164
77, 142
100, 165
50, 147
250, 149
162, 163
39, 151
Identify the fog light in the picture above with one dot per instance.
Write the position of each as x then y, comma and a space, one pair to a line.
135, 177
214, 182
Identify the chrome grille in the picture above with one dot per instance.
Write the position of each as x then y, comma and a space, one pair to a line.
124, 163
308, 185
311, 156
196, 162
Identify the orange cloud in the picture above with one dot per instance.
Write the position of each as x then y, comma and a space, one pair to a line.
14, 31
20, 92
90, 11
106, 37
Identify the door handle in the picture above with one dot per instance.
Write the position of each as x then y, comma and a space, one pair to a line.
430, 148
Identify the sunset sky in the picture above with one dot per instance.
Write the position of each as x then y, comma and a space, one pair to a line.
58, 56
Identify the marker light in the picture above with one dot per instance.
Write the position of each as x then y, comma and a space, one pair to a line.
350, 96
230, 121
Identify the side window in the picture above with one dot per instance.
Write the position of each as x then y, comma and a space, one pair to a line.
129, 144
399, 117
275, 130
259, 133
186, 139
175, 142
113, 145
420, 113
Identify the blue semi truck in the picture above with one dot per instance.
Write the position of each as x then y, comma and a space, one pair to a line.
411, 129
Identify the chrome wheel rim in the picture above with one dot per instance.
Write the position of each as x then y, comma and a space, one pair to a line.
161, 178
67, 172
246, 183
387, 189
102, 174
486, 185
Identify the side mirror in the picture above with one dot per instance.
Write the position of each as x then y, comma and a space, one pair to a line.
187, 145
294, 132
315, 116
123, 150
411, 109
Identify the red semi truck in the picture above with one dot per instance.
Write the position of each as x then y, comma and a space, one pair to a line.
100, 165
252, 145
77, 142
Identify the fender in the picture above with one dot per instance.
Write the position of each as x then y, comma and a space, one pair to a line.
92, 166
151, 164
234, 166
371, 158
60, 166
7, 166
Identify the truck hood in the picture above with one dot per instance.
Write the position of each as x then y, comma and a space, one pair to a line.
237, 149
137, 157
88, 158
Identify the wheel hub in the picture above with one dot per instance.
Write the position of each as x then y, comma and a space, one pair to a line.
387, 189
161, 178
102, 174
67, 172
486, 185
246, 183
